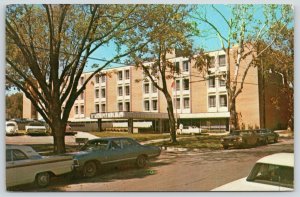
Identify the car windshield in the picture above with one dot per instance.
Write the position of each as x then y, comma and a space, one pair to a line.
95, 145
36, 124
272, 175
10, 124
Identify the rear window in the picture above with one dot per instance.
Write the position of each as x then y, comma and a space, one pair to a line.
10, 125
36, 124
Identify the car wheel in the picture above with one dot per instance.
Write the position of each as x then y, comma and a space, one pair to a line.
275, 140
42, 179
89, 169
141, 161
225, 147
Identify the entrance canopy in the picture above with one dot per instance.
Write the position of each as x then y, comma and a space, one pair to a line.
129, 115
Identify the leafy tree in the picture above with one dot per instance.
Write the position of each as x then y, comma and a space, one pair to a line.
168, 29
14, 105
244, 30
279, 59
48, 47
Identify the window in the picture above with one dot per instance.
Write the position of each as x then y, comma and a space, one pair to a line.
223, 101
120, 106
120, 75
127, 91
97, 93
127, 106
211, 82
186, 84
127, 76
186, 66
103, 78
177, 69
81, 95
97, 108
120, 91
212, 61
76, 109
154, 104
222, 82
154, 89
82, 109
97, 78
222, 61
177, 103
103, 93
146, 105
103, 108
212, 101
146, 88
186, 103
177, 85
19, 155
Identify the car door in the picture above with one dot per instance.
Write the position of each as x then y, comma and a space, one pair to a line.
16, 168
131, 149
115, 153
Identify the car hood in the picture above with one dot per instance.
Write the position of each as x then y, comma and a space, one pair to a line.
244, 185
79, 153
231, 137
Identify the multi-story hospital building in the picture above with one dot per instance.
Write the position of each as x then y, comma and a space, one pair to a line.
121, 97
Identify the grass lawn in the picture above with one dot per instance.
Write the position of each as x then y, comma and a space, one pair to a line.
198, 142
137, 136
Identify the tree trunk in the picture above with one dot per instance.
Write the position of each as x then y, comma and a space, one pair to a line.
233, 122
172, 120
58, 132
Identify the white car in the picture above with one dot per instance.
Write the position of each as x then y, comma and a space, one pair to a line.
188, 130
11, 128
24, 165
271, 173
36, 128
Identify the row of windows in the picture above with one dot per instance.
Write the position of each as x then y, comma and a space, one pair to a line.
124, 107
222, 61
147, 88
222, 101
212, 82
81, 109
103, 94
185, 84
147, 105
97, 78
120, 75
186, 103
185, 66
97, 108
127, 90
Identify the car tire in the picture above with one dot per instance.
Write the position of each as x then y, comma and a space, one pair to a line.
225, 147
266, 142
141, 161
42, 179
89, 169
275, 140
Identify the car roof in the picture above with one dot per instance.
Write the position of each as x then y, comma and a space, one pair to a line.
282, 159
109, 138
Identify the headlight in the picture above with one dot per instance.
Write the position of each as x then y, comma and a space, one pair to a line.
222, 140
239, 139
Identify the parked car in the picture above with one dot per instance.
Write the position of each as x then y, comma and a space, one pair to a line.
113, 152
24, 165
268, 135
188, 130
69, 130
37, 128
240, 138
271, 173
11, 128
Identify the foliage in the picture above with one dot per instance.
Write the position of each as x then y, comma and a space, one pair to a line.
14, 105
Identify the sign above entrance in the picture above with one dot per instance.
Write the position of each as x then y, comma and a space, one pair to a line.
126, 115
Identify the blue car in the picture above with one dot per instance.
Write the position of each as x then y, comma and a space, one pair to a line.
111, 151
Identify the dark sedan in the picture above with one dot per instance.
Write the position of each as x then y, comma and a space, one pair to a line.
238, 139
268, 135
111, 151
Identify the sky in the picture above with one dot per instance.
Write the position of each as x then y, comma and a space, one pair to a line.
207, 40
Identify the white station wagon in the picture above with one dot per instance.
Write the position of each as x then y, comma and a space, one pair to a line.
271, 173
